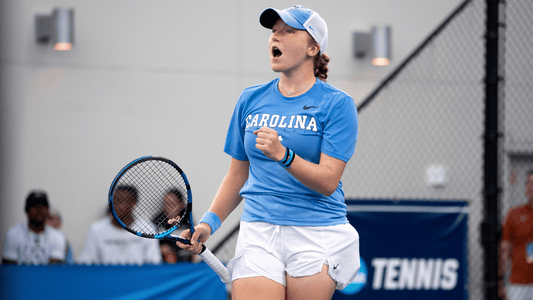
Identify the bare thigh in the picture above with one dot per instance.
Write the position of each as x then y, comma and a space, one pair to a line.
316, 287
257, 288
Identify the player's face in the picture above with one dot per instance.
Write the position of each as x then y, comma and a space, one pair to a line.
288, 47
529, 188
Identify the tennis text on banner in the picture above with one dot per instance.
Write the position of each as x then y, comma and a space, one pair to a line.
415, 273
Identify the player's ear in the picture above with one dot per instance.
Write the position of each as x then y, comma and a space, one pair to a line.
313, 50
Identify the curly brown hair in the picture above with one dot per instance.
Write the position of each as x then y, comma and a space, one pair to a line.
321, 66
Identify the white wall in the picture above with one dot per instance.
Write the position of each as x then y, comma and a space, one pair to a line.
153, 77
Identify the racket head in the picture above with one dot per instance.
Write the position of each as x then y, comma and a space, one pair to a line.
147, 193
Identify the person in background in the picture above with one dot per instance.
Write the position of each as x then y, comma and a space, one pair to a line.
32, 242
54, 221
516, 248
109, 244
173, 204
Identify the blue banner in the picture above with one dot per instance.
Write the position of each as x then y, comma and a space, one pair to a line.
178, 281
410, 250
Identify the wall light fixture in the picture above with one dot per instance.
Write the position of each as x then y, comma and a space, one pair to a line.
57, 28
374, 45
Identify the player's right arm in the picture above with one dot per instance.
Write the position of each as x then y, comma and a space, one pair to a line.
226, 200
228, 197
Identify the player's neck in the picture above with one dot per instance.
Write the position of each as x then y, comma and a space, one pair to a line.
295, 85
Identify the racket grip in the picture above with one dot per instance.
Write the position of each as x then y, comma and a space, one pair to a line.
215, 264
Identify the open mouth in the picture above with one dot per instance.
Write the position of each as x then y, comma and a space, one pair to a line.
276, 52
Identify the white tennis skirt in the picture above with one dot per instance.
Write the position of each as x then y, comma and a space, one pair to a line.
274, 251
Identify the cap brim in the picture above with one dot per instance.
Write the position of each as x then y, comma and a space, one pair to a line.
270, 15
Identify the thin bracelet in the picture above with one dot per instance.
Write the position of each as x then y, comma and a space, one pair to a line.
287, 159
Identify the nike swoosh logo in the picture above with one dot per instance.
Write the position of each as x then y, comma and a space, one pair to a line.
309, 107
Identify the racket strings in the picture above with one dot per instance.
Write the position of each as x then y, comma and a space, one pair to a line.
161, 195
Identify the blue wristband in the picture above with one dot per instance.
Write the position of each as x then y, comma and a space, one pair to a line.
211, 219
288, 159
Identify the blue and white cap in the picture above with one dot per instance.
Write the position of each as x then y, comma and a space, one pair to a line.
299, 17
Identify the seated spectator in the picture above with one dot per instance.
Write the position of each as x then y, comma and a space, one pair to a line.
109, 244
173, 205
33, 242
516, 248
54, 220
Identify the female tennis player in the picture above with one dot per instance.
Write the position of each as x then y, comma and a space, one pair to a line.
289, 142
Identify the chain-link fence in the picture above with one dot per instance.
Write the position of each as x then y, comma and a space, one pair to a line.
518, 87
516, 42
430, 114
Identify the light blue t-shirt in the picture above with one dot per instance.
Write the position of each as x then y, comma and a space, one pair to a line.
323, 120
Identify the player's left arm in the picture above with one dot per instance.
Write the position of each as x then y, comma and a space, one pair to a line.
322, 178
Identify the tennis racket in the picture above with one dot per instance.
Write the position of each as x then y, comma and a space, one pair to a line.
151, 197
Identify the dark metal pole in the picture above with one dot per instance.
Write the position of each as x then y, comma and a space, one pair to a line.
412, 56
491, 182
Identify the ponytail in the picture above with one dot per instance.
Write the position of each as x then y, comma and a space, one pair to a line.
321, 66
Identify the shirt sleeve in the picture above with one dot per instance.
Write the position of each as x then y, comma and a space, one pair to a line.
234, 145
341, 130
